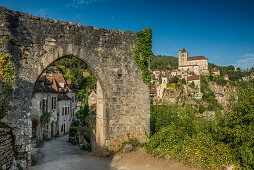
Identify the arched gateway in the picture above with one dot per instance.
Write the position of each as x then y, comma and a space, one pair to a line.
34, 42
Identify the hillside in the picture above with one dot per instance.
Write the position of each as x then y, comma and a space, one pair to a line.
164, 62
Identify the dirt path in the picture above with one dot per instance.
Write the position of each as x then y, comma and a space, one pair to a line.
140, 160
59, 154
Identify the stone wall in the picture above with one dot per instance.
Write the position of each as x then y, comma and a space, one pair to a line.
7, 154
37, 42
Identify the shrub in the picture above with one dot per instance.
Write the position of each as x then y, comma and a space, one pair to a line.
86, 147
34, 160
204, 151
166, 141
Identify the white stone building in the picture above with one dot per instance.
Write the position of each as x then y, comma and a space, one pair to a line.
192, 63
53, 97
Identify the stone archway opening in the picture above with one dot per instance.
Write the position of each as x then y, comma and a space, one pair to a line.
68, 98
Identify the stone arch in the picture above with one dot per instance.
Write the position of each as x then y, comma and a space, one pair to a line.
35, 42
101, 116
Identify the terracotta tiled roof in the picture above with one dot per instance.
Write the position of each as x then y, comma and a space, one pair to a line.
194, 77
179, 76
50, 82
196, 58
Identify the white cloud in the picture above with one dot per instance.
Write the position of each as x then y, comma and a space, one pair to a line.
247, 61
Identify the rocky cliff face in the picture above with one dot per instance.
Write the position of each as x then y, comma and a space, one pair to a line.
222, 93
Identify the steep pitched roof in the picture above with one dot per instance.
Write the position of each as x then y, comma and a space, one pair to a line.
183, 50
50, 82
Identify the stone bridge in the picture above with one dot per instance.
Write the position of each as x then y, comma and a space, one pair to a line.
36, 42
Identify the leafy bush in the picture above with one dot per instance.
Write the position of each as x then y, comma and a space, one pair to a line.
178, 132
86, 147
204, 151
34, 160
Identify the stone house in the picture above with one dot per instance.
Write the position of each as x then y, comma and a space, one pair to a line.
194, 79
215, 71
162, 86
53, 105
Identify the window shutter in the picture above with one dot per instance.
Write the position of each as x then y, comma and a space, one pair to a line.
55, 103
62, 111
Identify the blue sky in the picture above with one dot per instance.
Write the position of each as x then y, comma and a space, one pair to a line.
221, 30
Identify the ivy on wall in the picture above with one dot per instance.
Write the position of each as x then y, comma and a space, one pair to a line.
6, 77
143, 53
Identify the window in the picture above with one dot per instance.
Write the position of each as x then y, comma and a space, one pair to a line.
62, 111
65, 110
53, 103
68, 110
44, 105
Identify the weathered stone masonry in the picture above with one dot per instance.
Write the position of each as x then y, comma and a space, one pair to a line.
36, 42
7, 154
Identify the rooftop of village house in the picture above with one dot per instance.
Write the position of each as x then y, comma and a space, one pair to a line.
53, 82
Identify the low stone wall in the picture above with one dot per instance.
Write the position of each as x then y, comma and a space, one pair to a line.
7, 154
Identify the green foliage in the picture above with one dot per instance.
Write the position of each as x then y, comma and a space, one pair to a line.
6, 77
164, 63
201, 108
72, 69
173, 79
192, 85
164, 115
44, 119
178, 132
160, 79
143, 53
34, 160
173, 86
39, 143
208, 143
183, 81
86, 147
208, 95
237, 75
238, 127
133, 141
